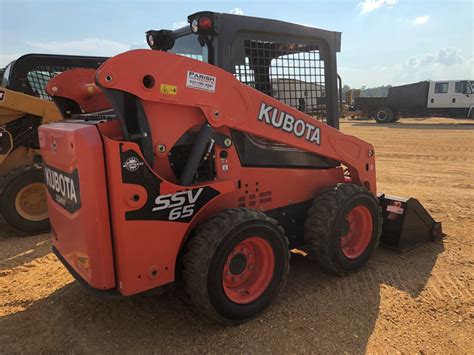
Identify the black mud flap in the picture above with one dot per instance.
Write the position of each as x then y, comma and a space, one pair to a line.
406, 223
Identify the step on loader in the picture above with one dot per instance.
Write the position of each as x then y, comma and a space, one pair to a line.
222, 154
24, 106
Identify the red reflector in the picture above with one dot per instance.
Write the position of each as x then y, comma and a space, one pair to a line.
205, 23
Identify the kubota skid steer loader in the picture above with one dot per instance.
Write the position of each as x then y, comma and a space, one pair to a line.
24, 106
217, 162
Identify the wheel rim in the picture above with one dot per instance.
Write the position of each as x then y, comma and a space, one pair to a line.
357, 232
248, 270
30, 202
382, 115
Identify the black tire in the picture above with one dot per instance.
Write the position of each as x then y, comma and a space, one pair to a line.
11, 185
383, 115
396, 116
326, 225
208, 254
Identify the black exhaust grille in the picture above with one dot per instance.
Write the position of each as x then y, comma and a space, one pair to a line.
290, 72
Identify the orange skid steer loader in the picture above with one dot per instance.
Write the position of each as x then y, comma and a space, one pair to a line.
222, 153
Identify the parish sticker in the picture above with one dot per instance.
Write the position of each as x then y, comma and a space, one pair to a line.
201, 81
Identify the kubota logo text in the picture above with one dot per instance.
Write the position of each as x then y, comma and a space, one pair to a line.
61, 184
181, 204
286, 122
63, 188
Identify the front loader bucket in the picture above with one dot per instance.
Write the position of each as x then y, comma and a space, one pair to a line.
406, 223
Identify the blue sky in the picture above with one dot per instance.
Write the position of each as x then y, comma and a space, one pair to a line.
383, 41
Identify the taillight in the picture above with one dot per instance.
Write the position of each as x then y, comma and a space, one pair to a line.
205, 23
202, 25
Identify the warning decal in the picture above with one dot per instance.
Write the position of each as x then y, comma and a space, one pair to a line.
168, 89
200, 81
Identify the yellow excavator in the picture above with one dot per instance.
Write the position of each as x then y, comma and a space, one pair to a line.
24, 106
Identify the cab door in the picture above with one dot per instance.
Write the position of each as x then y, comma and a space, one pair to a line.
462, 96
440, 94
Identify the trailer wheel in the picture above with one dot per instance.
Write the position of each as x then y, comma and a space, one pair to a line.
235, 265
23, 200
343, 228
383, 115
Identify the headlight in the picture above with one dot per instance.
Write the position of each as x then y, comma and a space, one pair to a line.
160, 40
150, 40
195, 25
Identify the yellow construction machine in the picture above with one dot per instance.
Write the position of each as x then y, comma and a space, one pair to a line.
24, 106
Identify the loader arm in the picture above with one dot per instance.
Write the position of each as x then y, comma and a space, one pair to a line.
83, 96
159, 77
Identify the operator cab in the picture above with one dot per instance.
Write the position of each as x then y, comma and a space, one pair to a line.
292, 63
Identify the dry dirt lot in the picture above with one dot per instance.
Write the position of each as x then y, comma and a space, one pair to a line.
420, 301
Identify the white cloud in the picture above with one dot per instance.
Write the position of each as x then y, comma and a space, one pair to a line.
237, 11
87, 46
421, 20
446, 63
179, 24
371, 5
444, 57
139, 45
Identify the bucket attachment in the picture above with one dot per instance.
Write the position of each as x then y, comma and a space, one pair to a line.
406, 223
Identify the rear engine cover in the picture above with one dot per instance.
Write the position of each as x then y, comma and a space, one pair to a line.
77, 200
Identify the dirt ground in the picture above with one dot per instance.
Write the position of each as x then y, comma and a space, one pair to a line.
420, 301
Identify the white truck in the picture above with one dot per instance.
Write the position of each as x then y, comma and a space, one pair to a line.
444, 97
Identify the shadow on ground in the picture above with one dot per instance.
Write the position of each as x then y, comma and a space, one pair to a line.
315, 313
23, 250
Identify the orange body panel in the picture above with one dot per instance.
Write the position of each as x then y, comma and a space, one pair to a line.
77, 200
146, 231
84, 91
145, 251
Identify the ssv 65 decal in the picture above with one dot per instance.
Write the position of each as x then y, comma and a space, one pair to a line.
63, 188
286, 122
179, 206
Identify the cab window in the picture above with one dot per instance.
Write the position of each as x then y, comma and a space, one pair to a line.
462, 87
441, 88
6, 75
190, 46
